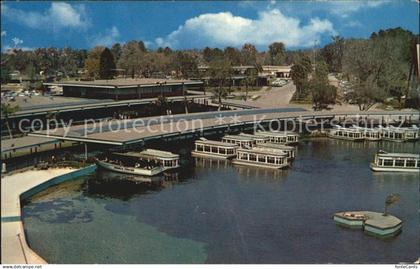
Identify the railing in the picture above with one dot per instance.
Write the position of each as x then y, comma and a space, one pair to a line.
23, 249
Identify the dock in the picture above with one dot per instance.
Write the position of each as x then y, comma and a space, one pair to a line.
372, 223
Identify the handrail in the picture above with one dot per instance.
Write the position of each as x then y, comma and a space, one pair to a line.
21, 246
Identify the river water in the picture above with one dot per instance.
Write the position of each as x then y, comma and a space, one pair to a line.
214, 212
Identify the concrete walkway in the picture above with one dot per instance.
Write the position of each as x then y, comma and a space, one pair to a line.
14, 249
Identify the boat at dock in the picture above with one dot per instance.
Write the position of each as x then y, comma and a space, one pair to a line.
370, 134
351, 134
261, 157
397, 134
240, 140
257, 139
396, 162
280, 137
149, 162
214, 149
289, 150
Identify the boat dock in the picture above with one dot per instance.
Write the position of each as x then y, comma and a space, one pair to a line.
372, 223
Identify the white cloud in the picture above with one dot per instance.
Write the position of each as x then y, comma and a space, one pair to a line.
16, 41
59, 15
107, 39
346, 8
3, 33
225, 29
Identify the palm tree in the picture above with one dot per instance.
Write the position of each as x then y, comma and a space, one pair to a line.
390, 200
7, 110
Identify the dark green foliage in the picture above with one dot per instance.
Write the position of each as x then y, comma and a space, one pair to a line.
106, 65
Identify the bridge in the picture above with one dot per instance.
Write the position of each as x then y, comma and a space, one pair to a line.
138, 131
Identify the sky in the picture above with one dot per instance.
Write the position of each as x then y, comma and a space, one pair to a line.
197, 24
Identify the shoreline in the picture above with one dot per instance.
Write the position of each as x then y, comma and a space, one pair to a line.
14, 188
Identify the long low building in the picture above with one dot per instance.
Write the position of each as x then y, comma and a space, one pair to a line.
123, 89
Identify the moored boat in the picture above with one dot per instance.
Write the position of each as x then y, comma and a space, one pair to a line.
397, 134
257, 139
351, 134
240, 140
261, 157
396, 162
289, 150
149, 162
214, 149
370, 134
273, 137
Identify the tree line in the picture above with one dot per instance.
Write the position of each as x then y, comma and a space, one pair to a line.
377, 68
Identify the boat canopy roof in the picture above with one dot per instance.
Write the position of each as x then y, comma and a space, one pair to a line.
215, 143
149, 154
284, 132
264, 151
276, 146
257, 137
348, 130
272, 134
238, 138
398, 155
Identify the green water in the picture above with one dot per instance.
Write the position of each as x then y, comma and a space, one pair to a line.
214, 212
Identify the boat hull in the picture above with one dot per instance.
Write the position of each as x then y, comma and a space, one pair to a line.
130, 170
346, 138
262, 165
377, 168
211, 155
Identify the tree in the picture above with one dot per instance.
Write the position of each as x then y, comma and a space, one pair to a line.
220, 71
185, 64
8, 110
233, 55
248, 54
250, 79
210, 54
299, 75
116, 51
92, 62
131, 58
390, 200
323, 94
106, 65
276, 53
333, 54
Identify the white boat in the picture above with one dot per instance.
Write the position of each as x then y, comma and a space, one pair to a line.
370, 134
241, 141
214, 149
396, 162
397, 134
256, 139
351, 134
289, 150
280, 137
291, 137
261, 157
149, 162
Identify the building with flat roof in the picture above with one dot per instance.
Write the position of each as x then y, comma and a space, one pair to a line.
276, 71
123, 89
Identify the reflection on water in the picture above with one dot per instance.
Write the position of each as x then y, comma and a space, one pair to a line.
215, 212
